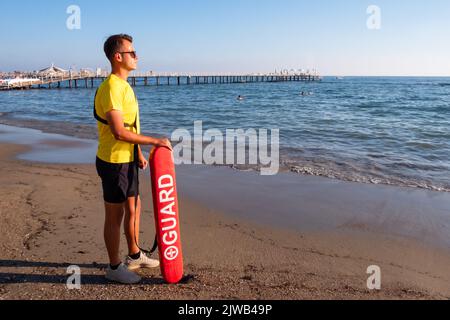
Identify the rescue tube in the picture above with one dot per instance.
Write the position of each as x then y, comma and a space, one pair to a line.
167, 222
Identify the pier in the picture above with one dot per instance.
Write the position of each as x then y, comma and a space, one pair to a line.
88, 80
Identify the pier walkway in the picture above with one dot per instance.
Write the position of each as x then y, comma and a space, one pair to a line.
86, 80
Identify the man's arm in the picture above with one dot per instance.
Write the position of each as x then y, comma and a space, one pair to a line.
115, 120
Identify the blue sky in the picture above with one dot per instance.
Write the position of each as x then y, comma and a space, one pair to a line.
233, 35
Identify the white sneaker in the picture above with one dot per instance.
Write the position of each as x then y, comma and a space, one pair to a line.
142, 262
122, 275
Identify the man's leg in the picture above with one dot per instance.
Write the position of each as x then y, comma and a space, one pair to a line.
113, 221
132, 224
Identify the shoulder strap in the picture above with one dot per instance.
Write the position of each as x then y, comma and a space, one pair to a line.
96, 116
101, 120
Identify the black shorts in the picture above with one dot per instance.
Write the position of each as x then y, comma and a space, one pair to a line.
119, 181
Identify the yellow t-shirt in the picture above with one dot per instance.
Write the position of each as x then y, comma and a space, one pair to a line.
116, 94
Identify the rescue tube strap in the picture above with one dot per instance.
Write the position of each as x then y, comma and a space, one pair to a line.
155, 243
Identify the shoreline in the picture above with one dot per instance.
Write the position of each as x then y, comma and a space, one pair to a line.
228, 254
89, 132
302, 202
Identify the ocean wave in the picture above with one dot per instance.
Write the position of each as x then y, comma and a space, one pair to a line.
5, 114
313, 166
368, 179
422, 145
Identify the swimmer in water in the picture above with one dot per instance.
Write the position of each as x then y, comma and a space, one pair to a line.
240, 98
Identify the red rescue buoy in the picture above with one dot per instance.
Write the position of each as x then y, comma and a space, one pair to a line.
167, 222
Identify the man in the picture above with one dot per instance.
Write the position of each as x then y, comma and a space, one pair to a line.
118, 158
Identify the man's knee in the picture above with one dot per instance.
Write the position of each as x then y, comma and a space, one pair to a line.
114, 210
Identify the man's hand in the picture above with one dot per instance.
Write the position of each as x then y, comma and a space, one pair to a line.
143, 163
164, 143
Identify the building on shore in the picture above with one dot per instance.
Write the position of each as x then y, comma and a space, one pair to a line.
52, 71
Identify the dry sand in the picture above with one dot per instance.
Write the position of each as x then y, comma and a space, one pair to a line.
51, 216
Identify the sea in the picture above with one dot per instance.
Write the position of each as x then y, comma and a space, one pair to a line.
379, 130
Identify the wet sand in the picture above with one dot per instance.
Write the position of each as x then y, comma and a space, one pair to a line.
49, 147
52, 217
318, 204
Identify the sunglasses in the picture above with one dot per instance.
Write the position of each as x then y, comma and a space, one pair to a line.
133, 54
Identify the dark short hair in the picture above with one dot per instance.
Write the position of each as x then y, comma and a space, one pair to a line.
113, 43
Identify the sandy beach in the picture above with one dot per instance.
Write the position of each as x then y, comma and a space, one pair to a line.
52, 217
